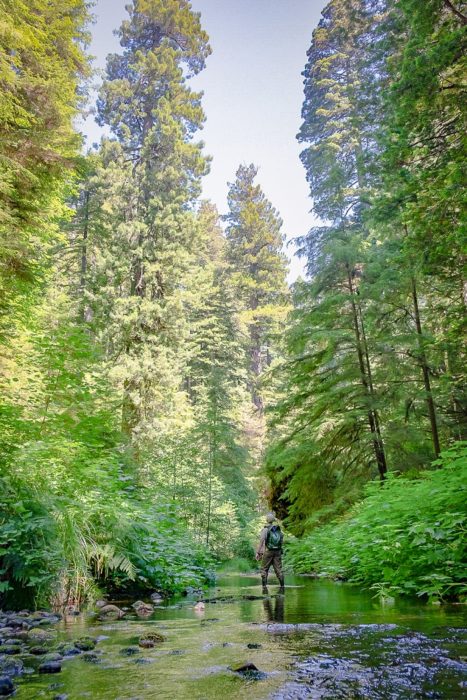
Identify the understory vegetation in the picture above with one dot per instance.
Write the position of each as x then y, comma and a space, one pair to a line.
405, 538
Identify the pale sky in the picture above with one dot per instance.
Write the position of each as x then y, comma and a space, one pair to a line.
253, 92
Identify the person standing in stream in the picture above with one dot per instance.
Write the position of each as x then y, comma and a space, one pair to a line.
270, 551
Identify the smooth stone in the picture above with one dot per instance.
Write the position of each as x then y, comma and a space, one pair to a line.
6, 686
110, 611
50, 667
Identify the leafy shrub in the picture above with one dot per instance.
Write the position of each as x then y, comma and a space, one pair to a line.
163, 553
406, 537
69, 519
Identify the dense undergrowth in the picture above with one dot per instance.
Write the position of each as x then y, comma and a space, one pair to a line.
70, 545
405, 538
76, 518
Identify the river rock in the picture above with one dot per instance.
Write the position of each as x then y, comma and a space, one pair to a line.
156, 598
68, 650
110, 612
11, 666
6, 686
38, 651
50, 667
129, 651
152, 637
10, 649
39, 635
244, 668
249, 671
254, 645
91, 657
142, 608
85, 643
146, 643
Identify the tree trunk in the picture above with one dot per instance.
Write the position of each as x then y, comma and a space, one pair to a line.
84, 254
256, 367
373, 419
426, 372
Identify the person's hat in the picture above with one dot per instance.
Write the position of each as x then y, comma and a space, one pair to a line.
270, 517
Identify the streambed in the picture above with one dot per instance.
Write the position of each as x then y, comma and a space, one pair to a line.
320, 640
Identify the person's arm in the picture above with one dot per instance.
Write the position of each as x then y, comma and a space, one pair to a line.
262, 543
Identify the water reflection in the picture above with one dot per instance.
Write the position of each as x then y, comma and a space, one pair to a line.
274, 609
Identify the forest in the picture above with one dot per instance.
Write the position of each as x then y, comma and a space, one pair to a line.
162, 385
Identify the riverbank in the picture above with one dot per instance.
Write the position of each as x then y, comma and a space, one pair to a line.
406, 537
320, 640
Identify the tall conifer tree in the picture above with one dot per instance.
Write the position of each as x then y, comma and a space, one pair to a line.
151, 178
258, 269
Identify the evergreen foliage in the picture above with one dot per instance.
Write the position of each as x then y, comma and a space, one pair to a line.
42, 67
373, 379
257, 269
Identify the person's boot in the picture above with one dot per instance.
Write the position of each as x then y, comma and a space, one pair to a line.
281, 585
265, 585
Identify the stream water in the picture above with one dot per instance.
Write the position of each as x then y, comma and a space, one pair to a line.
320, 640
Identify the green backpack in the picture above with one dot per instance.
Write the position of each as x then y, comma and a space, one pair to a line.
274, 537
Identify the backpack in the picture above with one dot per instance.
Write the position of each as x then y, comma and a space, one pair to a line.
274, 537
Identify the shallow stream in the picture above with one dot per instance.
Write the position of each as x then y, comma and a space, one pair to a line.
320, 640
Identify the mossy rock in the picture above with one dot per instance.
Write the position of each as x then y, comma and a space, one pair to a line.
67, 649
85, 643
10, 649
38, 650
39, 635
152, 637
11, 666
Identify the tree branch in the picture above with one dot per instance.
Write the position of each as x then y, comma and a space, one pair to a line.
453, 9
